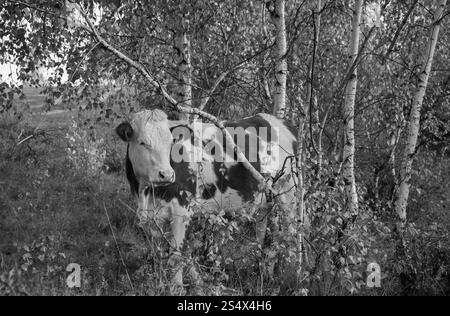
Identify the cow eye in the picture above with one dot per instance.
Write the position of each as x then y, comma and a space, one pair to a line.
145, 145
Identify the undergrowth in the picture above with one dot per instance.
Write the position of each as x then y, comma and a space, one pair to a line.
64, 199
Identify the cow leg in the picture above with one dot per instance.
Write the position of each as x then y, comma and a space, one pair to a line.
143, 205
180, 220
178, 226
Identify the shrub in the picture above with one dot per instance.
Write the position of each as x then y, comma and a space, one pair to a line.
85, 151
422, 266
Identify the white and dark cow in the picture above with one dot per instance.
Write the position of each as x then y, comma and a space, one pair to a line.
166, 186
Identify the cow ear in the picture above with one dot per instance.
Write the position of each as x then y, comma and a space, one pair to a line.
125, 131
178, 139
180, 133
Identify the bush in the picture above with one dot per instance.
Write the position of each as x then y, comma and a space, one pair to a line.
86, 152
422, 266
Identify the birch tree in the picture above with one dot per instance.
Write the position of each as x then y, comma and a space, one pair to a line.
414, 120
182, 47
300, 185
311, 97
278, 15
349, 114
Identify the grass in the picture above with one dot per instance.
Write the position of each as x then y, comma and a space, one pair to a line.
34, 98
44, 200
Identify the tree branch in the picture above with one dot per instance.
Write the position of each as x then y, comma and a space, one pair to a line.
222, 77
206, 99
399, 30
30, 6
311, 78
356, 63
179, 107
139, 67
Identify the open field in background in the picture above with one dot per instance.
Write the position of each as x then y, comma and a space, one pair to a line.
39, 115
34, 97
54, 208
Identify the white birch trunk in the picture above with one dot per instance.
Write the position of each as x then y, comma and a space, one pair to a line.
184, 67
311, 97
300, 193
279, 93
264, 82
349, 114
414, 121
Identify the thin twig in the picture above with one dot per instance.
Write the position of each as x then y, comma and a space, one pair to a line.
219, 80
25, 140
311, 84
399, 30
117, 245
127, 206
82, 61
30, 6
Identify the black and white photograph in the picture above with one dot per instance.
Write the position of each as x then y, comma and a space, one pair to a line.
224, 154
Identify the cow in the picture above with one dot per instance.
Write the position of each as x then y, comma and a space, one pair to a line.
171, 165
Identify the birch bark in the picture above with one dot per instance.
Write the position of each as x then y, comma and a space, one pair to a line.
278, 15
414, 120
182, 47
349, 114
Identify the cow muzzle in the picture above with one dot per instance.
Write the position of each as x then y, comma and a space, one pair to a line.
165, 177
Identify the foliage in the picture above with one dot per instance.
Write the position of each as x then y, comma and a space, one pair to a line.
54, 184
423, 266
85, 153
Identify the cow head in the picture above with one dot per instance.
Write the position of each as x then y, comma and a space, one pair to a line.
149, 148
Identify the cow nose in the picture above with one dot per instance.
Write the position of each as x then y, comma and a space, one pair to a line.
167, 176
